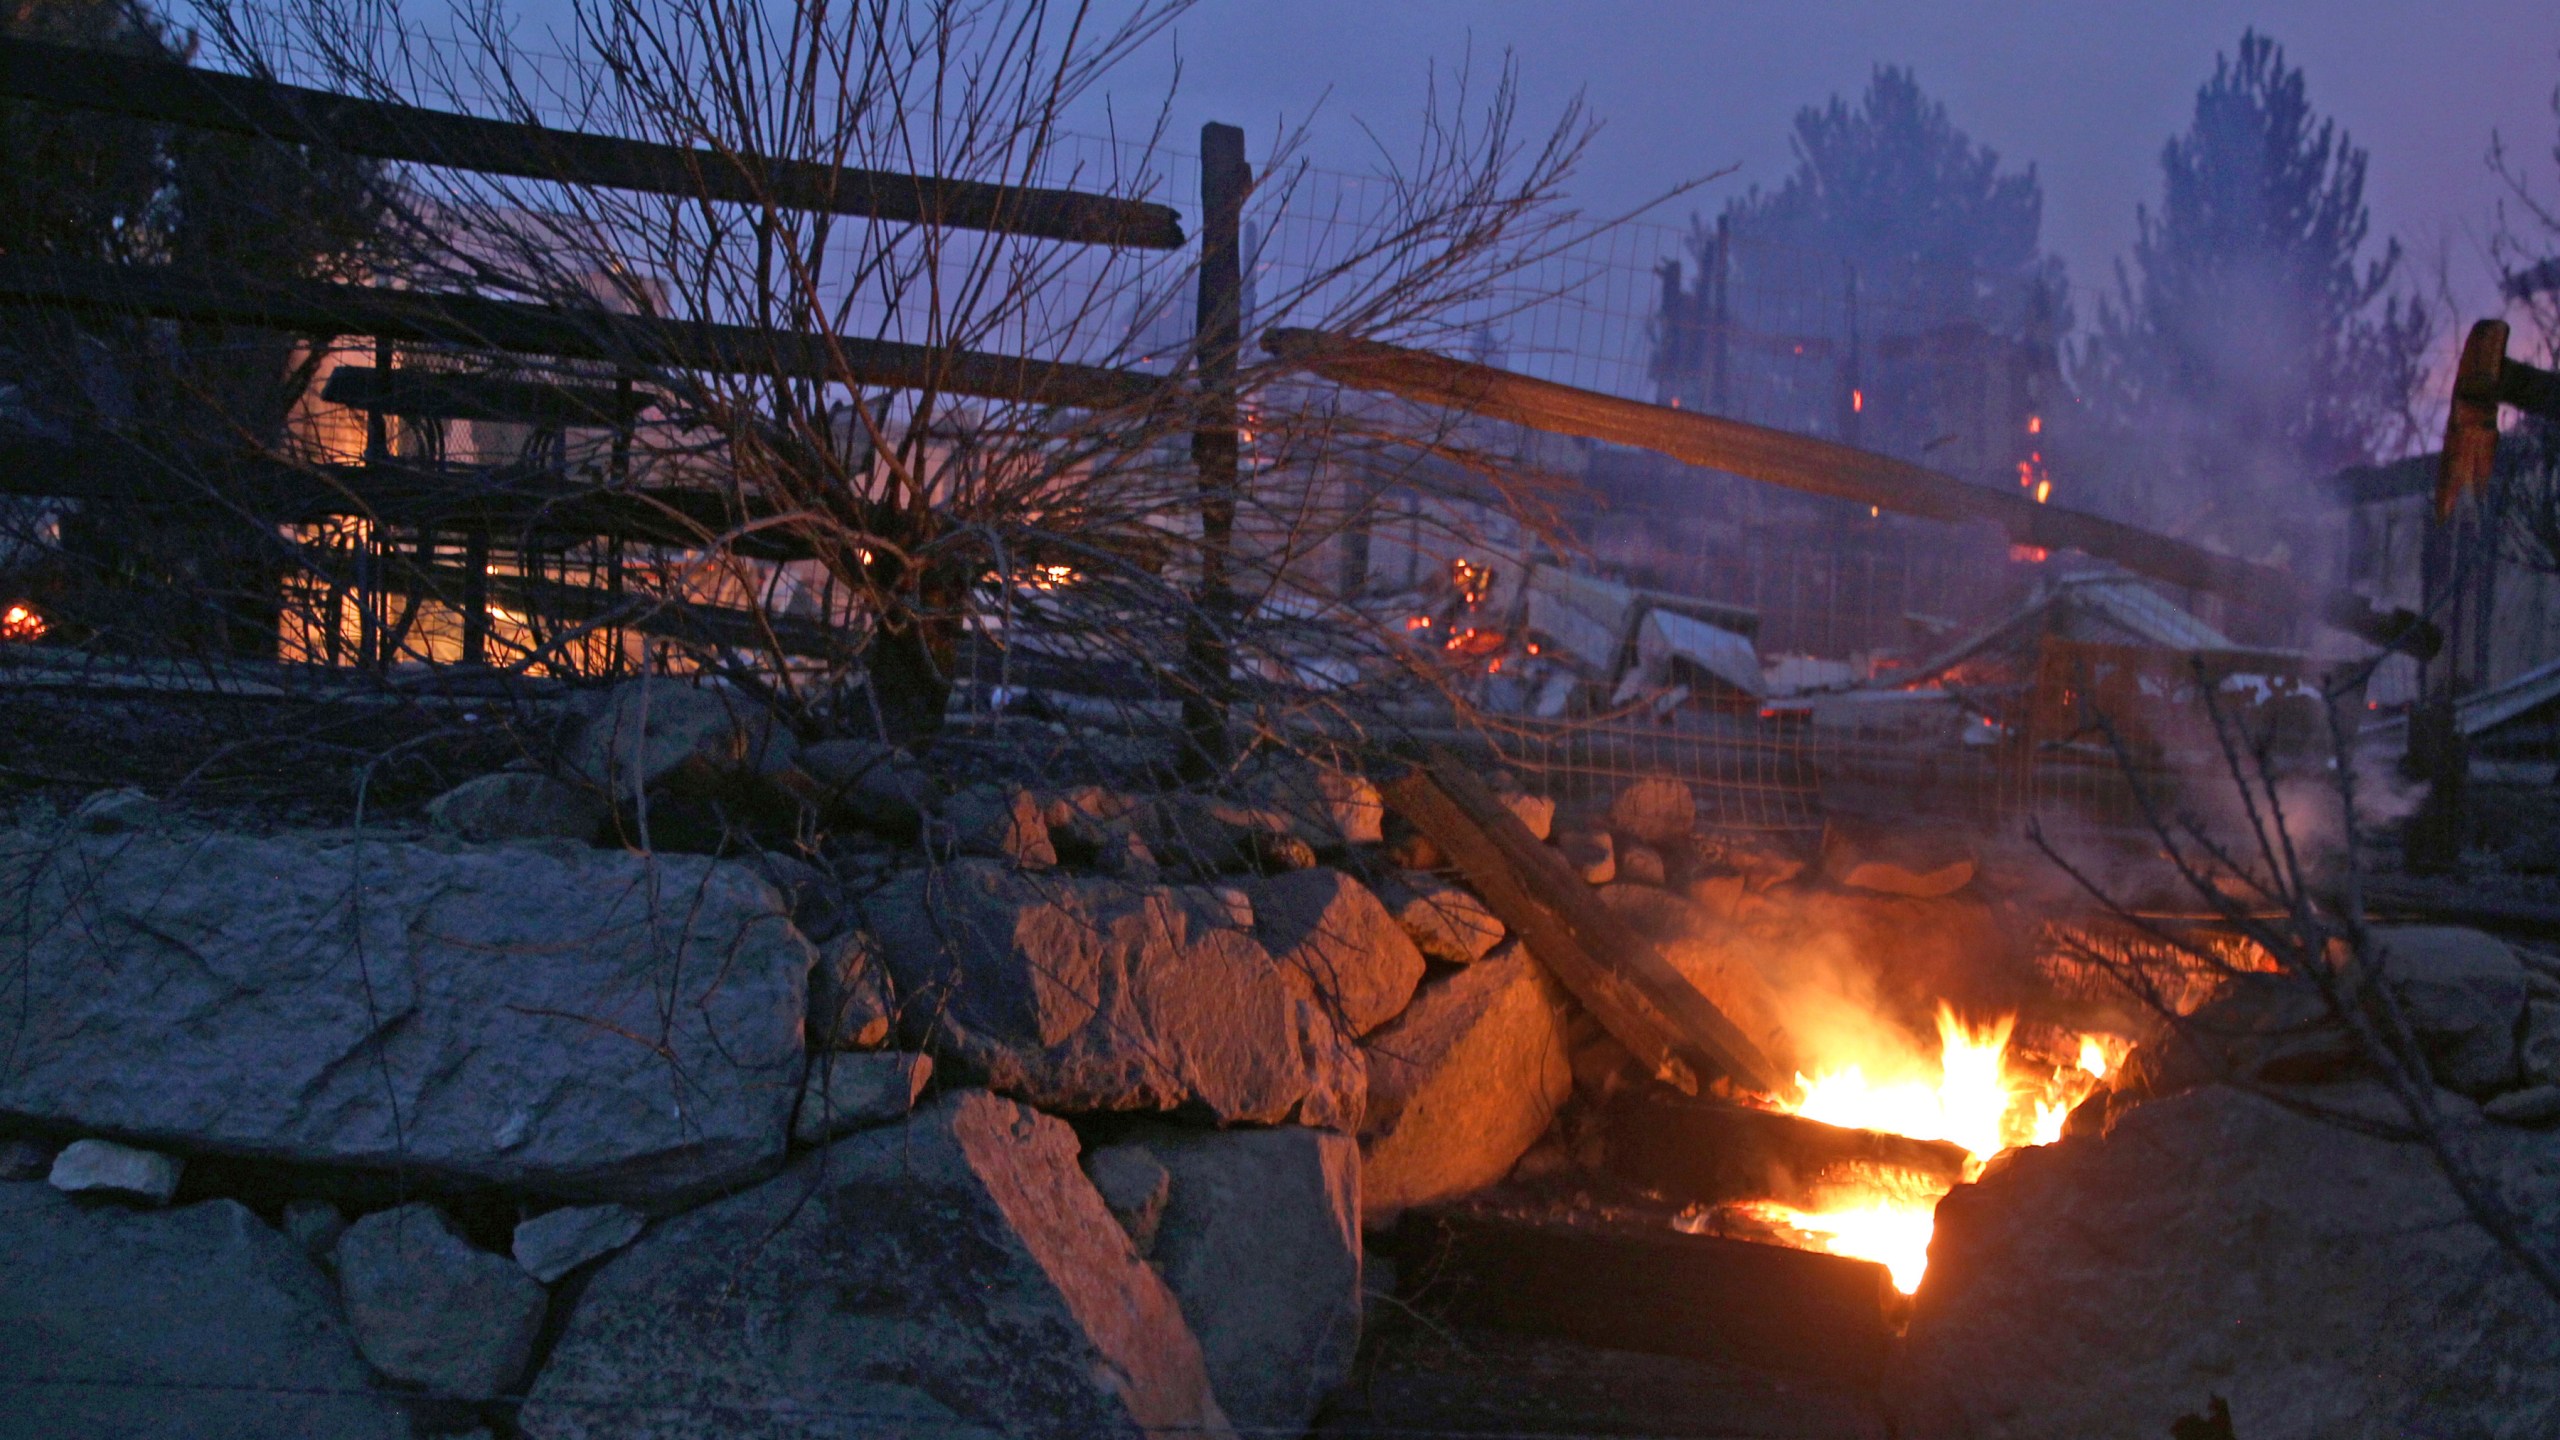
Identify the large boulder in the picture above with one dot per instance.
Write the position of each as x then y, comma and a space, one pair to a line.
1657, 811
1009, 825
1446, 922
877, 786
954, 1276
430, 1309
1330, 928
1329, 808
2326, 1283
582, 1023
1463, 1083
1082, 993
200, 1321
644, 733
2463, 994
1259, 1238
518, 805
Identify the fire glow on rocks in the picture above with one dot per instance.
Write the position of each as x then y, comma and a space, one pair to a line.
1974, 1094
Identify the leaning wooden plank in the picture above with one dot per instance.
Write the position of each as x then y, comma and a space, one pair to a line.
242, 105
1822, 467
1653, 1290
1621, 979
1710, 1152
321, 308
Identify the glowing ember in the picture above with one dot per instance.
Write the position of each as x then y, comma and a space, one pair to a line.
22, 623
1972, 1095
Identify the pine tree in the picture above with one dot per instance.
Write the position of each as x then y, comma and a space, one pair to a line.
2253, 347
1896, 252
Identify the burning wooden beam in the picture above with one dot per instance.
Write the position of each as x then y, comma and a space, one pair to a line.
244, 105
1649, 1289
1711, 1152
1644, 1002
1820, 467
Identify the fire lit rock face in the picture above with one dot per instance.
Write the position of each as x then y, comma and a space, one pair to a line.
2324, 1282
1463, 1083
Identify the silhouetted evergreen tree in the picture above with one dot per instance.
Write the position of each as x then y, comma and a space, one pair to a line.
1898, 261
2254, 345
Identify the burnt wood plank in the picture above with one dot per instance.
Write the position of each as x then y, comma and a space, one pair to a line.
321, 308
1711, 1151
244, 105
1618, 976
1654, 1290
1822, 467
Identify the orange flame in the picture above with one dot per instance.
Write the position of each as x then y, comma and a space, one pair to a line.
21, 623
1974, 1095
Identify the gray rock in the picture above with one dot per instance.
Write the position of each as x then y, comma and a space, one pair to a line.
2540, 1050
1328, 926
855, 1090
552, 1244
1592, 854
103, 1167
1260, 1241
113, 812
1327, 807
644, 733
1134, 1186
430, 1310
1537, 812
2537, 1106
1445, 922
1462, 1084
955, 1276
1657, 810
23, 1157
1641, 864
849, 1005
200, 1322
876, 786
1920, 862
1012, 826
518, 805
2325, 1282
315, 1225
1209, 834
1080, 994
812, 897
584, 1023
2464, 995
1223, 907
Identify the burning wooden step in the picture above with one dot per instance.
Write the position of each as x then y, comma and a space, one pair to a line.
1649, 1289
1714, 1152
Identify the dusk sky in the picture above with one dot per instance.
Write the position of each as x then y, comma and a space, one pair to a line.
2086, 91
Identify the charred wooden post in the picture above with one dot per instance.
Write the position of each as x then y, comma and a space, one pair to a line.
2459, 568
1712, 1152
1653, 1290
1647, 1005
1225, 178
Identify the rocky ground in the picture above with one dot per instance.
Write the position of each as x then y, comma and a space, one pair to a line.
641, 1068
